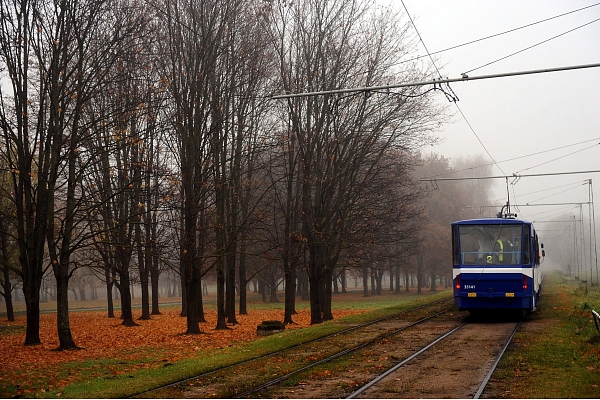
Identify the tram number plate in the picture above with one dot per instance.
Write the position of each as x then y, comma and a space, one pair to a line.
472, 294
510, 295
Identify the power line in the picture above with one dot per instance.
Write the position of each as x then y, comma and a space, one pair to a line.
501, 33
420, 38
518, 158
478, 139
536, 205
530, 47
508, 176
558, 158
557, 193
440, 76
574, 185
571, 221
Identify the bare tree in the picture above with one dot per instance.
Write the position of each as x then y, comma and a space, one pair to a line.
330, 45
446, 202
195, 33
57, 55
8, 244
243, 70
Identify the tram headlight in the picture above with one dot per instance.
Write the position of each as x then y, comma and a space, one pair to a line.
525, 282
457, 282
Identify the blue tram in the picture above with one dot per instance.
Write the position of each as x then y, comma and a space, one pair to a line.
496, 264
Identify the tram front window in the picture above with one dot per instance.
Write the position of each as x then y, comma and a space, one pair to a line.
490, 244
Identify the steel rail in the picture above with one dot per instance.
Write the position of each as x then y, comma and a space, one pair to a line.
402, 363
481, 388
493, 368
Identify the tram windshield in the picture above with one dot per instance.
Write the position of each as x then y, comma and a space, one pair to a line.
490, 244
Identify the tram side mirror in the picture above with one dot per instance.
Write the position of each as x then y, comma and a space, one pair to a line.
543, 253
542, 244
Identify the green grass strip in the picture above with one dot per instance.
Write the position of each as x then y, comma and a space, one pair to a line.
557, 353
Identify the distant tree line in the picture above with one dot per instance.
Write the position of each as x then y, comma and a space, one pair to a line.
139, 139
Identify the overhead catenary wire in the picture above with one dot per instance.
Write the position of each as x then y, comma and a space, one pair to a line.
454, 99
516, 158
478, 139
508, 176
558, 158
534, 205
530, 47
557, 193
552, 213
572, 185
501, 33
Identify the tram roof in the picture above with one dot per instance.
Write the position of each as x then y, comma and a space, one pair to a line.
492, 221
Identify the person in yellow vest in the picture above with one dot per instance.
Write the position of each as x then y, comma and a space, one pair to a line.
501, 246
499, 249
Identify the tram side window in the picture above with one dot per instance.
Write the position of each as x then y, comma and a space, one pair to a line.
455, 252
526, 248
536, 249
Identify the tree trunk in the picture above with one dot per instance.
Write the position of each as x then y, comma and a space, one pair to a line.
7, 289
183, 288
230, 285
398, 276
154, 282
433, 278
273, 292
221, 324
378, 278
290, 291
109, 291
327, 283
124, 286
336, 290
144, 273
373, 283
419, 273
32, 304
65, 338
316, 316
243, 281
365, 271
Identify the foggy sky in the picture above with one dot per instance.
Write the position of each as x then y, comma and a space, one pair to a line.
519, 116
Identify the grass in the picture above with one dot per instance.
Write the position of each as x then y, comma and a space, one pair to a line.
561, 357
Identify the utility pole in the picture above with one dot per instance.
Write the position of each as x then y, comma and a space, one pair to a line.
576, 255
582, 231
593, 222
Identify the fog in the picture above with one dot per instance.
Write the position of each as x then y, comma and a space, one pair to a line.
544, 124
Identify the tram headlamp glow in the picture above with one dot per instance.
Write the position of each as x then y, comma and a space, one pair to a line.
525, 284
457, 283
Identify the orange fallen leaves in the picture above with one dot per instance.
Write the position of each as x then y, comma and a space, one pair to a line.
101, 337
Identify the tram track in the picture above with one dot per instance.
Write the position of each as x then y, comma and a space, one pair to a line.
217, 382
395, 379
440, 354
